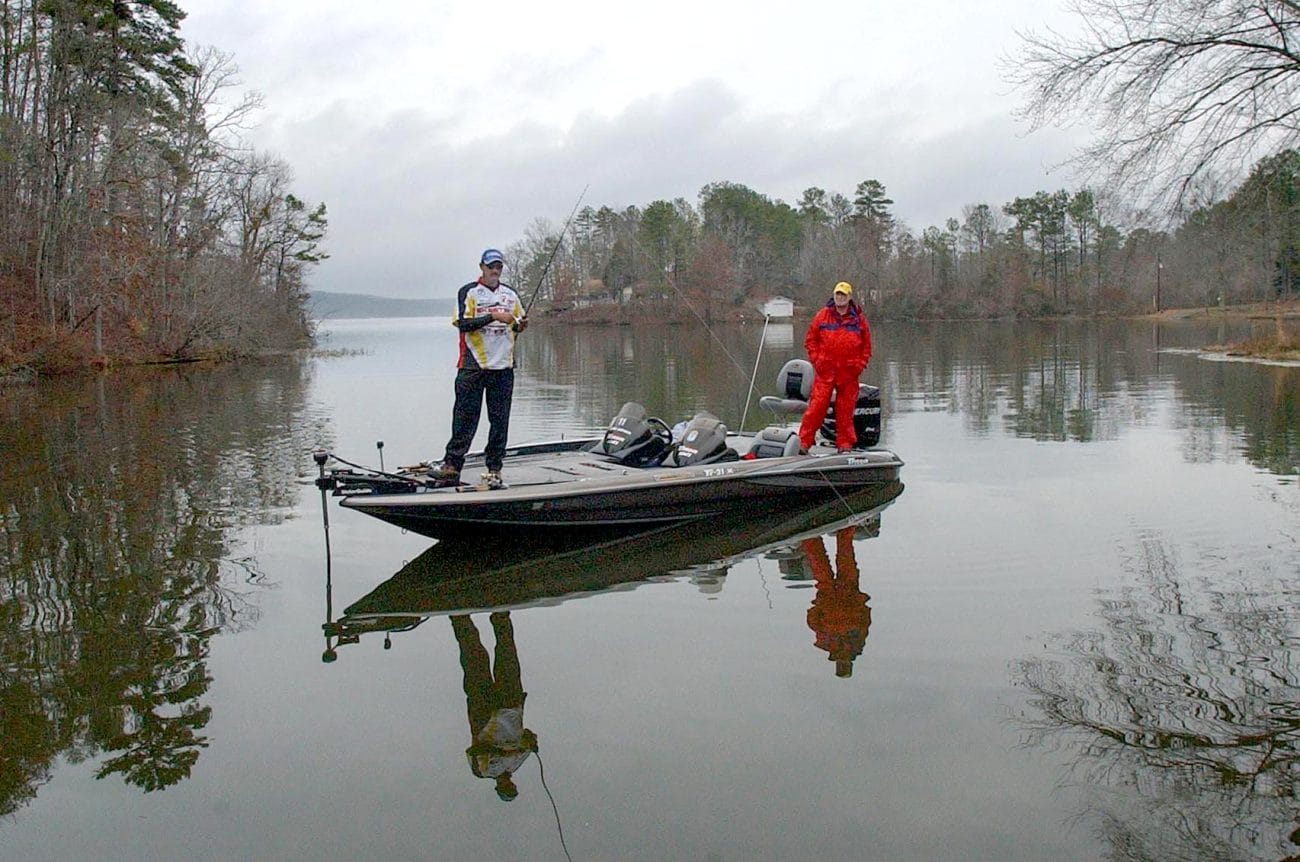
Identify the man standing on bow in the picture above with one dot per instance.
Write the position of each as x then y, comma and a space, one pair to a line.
839, 346
489, 316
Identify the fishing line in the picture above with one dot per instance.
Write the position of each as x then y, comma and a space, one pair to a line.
672, 282
541, 769
762, 579
822, 472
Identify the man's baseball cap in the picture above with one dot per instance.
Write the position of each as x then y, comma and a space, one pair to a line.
844, 287
492, 255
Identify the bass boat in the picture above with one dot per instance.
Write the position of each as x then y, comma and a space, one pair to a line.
640, 472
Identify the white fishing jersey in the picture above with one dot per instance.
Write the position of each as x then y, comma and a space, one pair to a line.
486, 343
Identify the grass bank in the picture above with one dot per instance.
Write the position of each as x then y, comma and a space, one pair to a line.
1282, 342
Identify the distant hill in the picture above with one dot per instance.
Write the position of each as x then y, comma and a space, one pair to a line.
326, 305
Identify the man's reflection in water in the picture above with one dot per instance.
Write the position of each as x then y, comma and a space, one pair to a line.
839, 614
501, 744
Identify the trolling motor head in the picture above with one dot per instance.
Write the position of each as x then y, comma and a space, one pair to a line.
325, 483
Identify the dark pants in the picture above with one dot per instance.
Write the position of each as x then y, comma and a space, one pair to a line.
471, 386
486, 692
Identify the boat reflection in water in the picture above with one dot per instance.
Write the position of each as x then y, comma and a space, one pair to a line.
457, 579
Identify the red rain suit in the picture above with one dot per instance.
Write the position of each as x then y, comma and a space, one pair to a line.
839, 616
839, 347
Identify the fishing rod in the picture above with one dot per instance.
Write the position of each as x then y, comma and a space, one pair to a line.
558, 242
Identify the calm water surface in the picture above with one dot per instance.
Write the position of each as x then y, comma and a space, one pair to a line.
1081, 616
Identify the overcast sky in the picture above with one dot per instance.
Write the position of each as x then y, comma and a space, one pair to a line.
431, 130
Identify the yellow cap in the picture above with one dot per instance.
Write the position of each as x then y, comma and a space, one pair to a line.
844, 287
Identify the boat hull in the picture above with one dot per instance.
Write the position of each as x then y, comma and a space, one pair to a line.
468, 576
576, 491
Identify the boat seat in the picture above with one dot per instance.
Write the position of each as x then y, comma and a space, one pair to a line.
775, 441
783, 406
794, 382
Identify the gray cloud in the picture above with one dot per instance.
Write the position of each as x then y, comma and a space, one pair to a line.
426, 150
411, 204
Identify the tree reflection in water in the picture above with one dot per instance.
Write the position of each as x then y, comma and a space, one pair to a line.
1181, 713
115, 561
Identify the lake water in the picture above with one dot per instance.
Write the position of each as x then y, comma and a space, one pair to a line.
1082, 615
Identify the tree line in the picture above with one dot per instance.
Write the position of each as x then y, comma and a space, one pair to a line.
135, 222
1187, 98
1062, 252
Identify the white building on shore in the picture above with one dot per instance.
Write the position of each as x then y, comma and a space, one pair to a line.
779, 308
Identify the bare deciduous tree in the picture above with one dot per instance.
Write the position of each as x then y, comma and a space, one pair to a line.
129, 197
1181, 91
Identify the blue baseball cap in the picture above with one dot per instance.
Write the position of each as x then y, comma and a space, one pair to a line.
492, 255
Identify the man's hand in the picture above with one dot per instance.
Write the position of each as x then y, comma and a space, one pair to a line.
502, 316
521, 323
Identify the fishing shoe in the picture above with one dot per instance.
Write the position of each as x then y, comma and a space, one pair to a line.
492, 480
445, 473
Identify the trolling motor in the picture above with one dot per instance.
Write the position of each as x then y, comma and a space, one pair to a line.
344, 481
325, 483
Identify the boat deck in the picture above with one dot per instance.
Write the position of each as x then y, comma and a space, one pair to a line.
549, 464
561, 485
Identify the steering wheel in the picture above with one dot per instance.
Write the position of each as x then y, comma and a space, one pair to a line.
660, 429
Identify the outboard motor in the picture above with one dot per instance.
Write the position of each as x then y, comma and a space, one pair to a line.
704, 442
636, 439
795, 382
866, 417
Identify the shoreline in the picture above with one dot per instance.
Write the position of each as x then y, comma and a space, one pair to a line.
1283, 345
1250, 311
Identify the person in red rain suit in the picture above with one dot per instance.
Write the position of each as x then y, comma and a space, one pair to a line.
839, 346
839, 616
